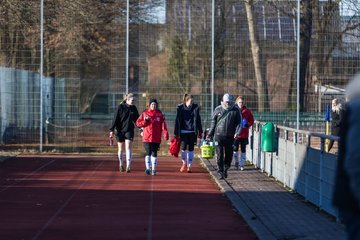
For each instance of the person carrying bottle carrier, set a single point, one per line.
(225, 126)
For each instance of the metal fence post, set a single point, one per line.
(321, 173)
(306, 167)
(285, 157)
(295, 141)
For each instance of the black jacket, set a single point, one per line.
(125, 118)
(336, 120)
(225, 123)
(343, 198)
(180, 123)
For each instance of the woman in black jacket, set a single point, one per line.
(124, 123)
(337, 113)
(187, 127)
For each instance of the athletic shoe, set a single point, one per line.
(183, 167)
(121, 168)
(147, 171)
(225, 174)
(242, 169)
(189, 170)
(221, 175)
(153, 172)
(128, 170)
(237, 166)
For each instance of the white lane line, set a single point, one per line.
(65, 203)
(27, 176)
(151, 209)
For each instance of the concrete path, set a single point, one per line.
(272, 211)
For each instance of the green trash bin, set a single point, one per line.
(268, 138)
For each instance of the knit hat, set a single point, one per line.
(153, 100)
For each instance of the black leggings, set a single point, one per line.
(151, 148)
(188, 139)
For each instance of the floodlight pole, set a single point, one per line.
(298, 68)
(41, 72)
(212, 53)
(127, 49)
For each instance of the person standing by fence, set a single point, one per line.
(225, 125)
(124, 124)
(242, 139)
(153, 123)
(337, 113)
(188, 127)
(346, 195)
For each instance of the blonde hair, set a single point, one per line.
(128, 96)
(238, 98)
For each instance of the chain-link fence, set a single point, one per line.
(65, 65)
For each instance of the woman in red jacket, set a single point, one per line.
(153, 123)
(242, 139)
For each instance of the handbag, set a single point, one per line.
(175, 146)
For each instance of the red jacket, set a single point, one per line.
(246, 114)
(153, 128)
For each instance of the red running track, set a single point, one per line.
(85, 197)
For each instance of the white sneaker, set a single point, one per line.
(241, 168)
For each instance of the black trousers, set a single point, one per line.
(151, 149)
(188, 140)
(334, 131)
(224, 151)
(242, 142)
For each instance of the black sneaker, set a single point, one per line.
(221, 175)
(227, 167)
(237, 166)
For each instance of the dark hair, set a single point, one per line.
(153, 100)
(187, 97)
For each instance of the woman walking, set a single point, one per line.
(242, 139)
(188, 127)
(153, 123)
(123, 123)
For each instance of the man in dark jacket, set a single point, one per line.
(346, 196)
(124, 123)
(225, 125)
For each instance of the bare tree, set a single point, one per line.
(262, 93)
(178, 70)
